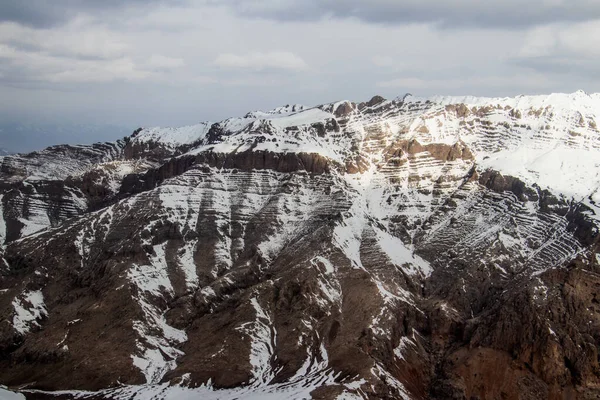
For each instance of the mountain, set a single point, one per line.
(439, 248)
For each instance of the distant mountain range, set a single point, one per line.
(18, 137)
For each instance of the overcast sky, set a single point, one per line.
(143, 63)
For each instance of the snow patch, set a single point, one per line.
(566, 171)
(29, 309)
(173, 137)
(2, 222)
(404, 343)
(6, 394)
(328, 283)
(283, 391)
(188, 266)
(329, 268)
(347, 235)
(156, 347)
(263, 337)
(401, 255)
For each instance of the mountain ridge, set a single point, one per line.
(406, 248)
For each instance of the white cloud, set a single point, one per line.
(79, 38)
(525, 81)
(538, 42)
(445, 13)
(94, 72)
(412, 83)
(383, 61)
(261, 61)
(42, 67)
(570, 40)
(563, 49)
(81, 51)
(161, 62)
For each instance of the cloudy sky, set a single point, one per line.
(130, 63)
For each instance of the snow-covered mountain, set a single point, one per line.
(410, 248)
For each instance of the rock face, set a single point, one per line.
(408, 248)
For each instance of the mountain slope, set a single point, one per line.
(412, 248)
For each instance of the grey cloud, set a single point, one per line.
(444, 13)
(49, 13)
(561, 66)
(262, 61)
(29, 13)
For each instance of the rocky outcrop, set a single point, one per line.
(497, 182)
(244, 161)
(536, 340)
